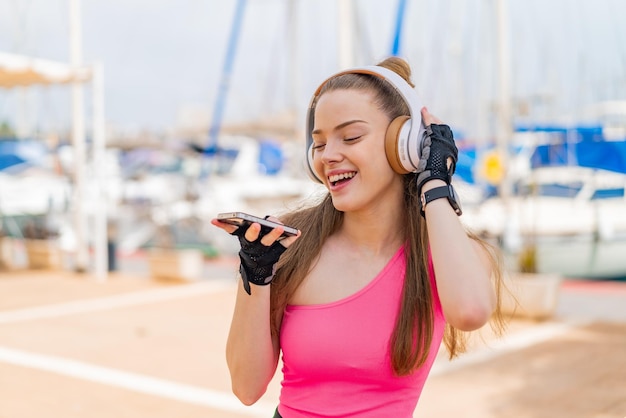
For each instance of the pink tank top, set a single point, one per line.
(336, 358)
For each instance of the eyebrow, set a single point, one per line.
(340, 126)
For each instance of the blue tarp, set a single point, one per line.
(465, 165)
(14, 152)
(270, 157)
(583, 146)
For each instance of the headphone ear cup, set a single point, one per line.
(396, 139)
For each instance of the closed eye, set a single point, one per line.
(322, 145)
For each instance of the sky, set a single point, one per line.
(161, 57)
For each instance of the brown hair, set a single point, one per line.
(412, 335)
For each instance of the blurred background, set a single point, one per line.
(126, 125)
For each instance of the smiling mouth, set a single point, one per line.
(336, 179)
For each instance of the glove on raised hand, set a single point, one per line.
(437, 147)
(257, 260)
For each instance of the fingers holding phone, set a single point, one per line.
(270, 229)
(223, 225)
(286, 238)
(253, 230)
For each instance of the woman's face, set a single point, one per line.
(349, 150)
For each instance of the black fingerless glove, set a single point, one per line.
(257, 260)
(437, 147)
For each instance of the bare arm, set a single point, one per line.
(462, 266)
(251, 352)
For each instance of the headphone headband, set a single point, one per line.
(407, 148)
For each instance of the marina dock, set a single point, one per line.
(132, 346)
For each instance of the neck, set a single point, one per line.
(375, 232)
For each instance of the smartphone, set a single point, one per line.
(244, 220)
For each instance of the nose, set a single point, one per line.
(331, 153)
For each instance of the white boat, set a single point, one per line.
(573, 217)
(241, 186)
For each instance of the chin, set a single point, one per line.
(343, 204)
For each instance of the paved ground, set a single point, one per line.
(135, 347)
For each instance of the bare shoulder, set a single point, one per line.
(338, 273)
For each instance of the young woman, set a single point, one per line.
(381, 272)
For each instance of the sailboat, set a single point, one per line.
(571, 217)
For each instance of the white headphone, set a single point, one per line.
(404, 134)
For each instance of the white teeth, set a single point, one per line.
(337, 177)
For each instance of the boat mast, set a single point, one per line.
(397, 36)
(510, 238)
(100, 216)
(231, 49)
(78, 140)
(346, 34)
(504, 114)
(292, 68)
